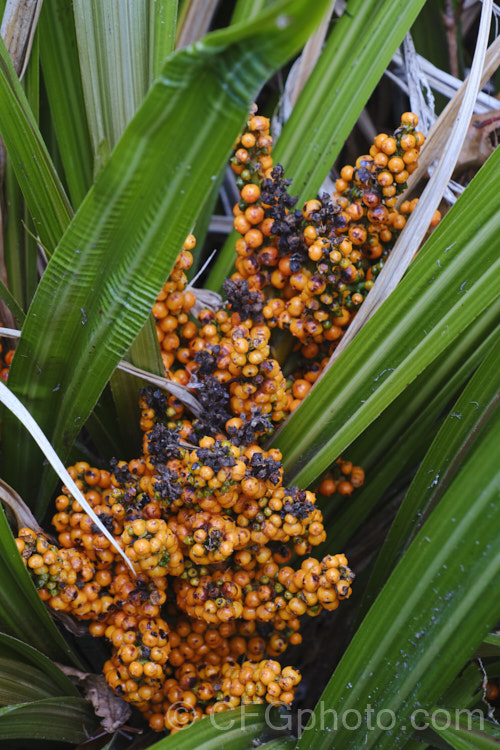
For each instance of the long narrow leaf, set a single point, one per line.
(119, 41)
(113, 46)
(235, 729)
(22, 683)
(352, 62)
(446, 287)
(25, 654)
(470, 733)
(34, 170)
(16, 408)
(447, 452)
(58, 719)
(103, 280)
(163, 23)
(396, 442)
(439, 601)
(411, 237)
(12, 304)
(63, 83)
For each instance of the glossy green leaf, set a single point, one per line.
(22, 613)
(121, 47)
(353, 60)
(55, 680)
(83, 320)
(493, 639)
(42, 189)
(447, 453)
(446, 287)
(235, 729)
(469, 733)
(163, 24)
(466, 689)
(430, 616)
(399, 438)
(21, 683)
(245, 11)
(63, 84)
(145, 354)
(57, 719)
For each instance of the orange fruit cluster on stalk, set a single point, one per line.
(312, 267)
(203, 514)
(210, 530)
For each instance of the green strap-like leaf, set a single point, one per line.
(58, 719)
(432, 613)
(467, 689)
(30, 159)
(63, 83)
(398, 440)
(163, 24)
(493, 639)
(27, 655)
(235, 729)
(448, 451)
(104, 277)
(120, 46)
(447, 286)
(22, 683)
(468, 732)
(355, 57)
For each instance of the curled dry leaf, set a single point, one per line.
(113, 711)
(23, 515)
(176, 389)
(205, 298)
(482, 139)
(69, 623)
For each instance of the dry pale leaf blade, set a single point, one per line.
(18, 28)
(176, 389)
(195, 22)
(437, 139)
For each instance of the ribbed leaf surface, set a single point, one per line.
(449, 450)
(236, 729)
(58, 719)
(431, 615)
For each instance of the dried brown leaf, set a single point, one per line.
(109, 707)
(481, 140)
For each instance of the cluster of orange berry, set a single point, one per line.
(202, 514)
(210, 529)
(324, 258)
